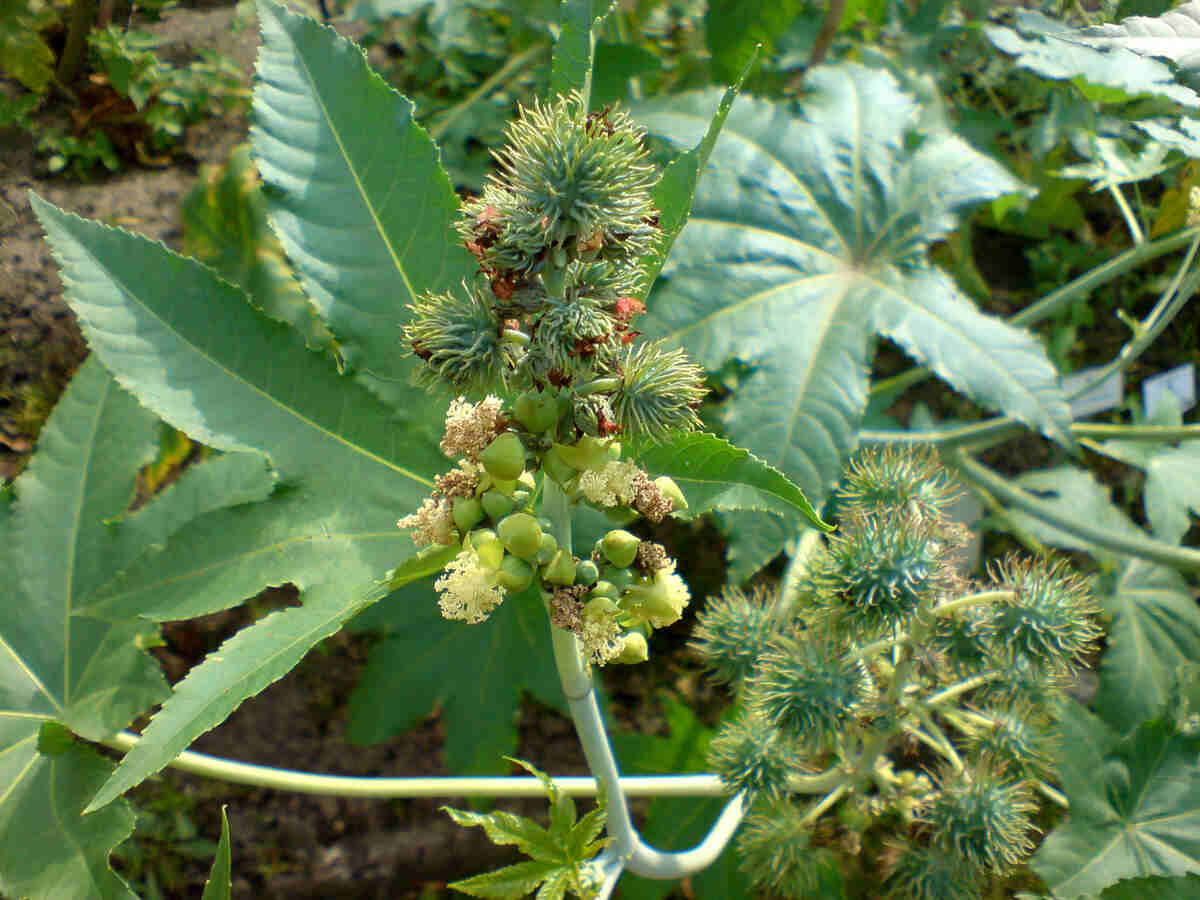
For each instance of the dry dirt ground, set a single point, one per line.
(284, 845)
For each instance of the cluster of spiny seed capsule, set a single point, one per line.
(561, 233)
(926, 699)
(485, 505)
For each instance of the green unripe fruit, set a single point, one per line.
(599, 606)
(634, 649)
(556, 467)
(536, 410)
(504, 457)
(514, 574)
(496, 505)
(467, 512)
(620, 515)
(588, 453)
(520, 534)
(671, 491)
(618, 578)
(606, 590)
(487, 547)
(561, 570)
(586, 572)
(620, 547)
(547, 549)
(614, 450)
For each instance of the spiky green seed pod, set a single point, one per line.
(560, 570)
(536, 410)
(620, 547)
(1013, 741)
(520, 535)
(573, 184)
(807, 688)
(467, 512)
(910, 480)
(877, 569)
(775, 843)
(457, 336)
(751, 755)
(504, 458)
(1051, 619)
(514, 574)
(634, 649)
(658, 393)
(930, 873)
(497, 505)
(733, 630)
(984, 821)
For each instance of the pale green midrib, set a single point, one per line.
(858, 167)
(984, 349)
(20, 776)
(96, 609)
(72, 544)
(834, 310)
(30, 675)
(350, 167)
(234, 376)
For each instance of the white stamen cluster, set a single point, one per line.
(433, 523)
(468, 590)
(470, 427)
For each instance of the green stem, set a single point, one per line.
(1137, 432)
(1131, 222)
(946, 694)
(1128, 544)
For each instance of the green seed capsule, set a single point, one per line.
(514, 574)
(520, 534)
(634, 649)
(496, 505)
(536, 410)
(587, 453)
(547, 549)
(504, 457)
(671, 491)
(620, 547)
(561, 570)
(467, 512)
(586, 572)
(619, 578)
(605, 589)
(488, 547)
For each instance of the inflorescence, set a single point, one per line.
(885, 654)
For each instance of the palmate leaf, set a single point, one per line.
(373, 230)
(1114, 73)
(192, 349)
(1172, 489)
(409, 672)
(1175, 35)
(1135, 809)
(1156, 628)
(808, 235)
(64, 537)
